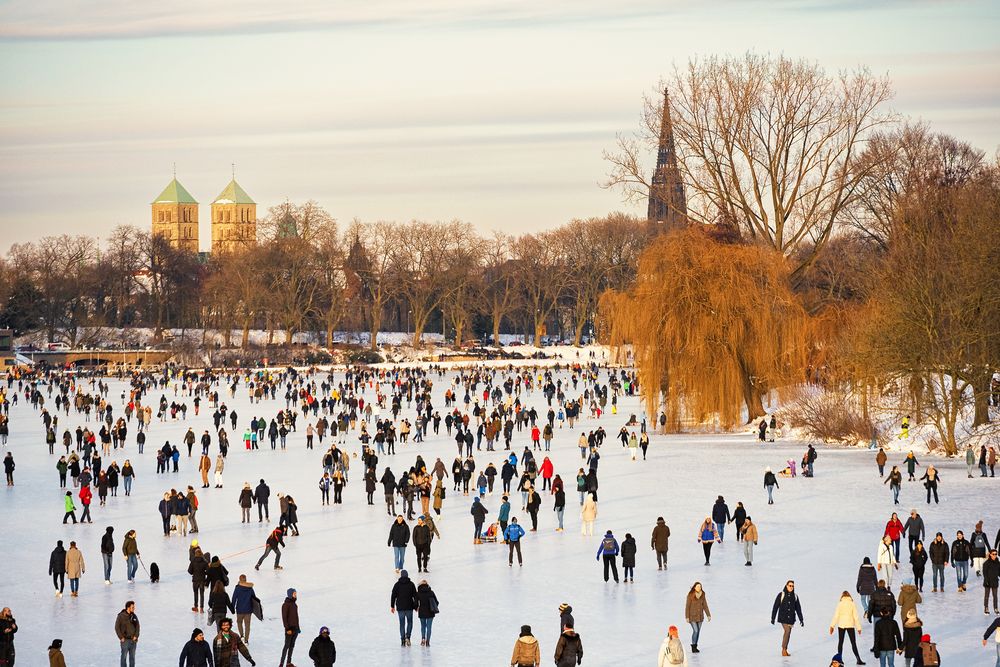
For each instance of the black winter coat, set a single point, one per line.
(57, 561)
(867, 580)
(919, 561)
(720, 513)
(882, 599)
(569, 650)
(323, 651)
(628, 550)
(399, 534)
(421, 535)
(216, 572)
(911, 640)
(991, 573)
(886, 635)
(404, 595)
(939, 552)
(196, 654)
(479, 512)
(786, 608)
(961, 550)
(219, 603)
(198, 569)
(426, 601)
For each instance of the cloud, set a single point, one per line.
(121, 19)
(118, 19)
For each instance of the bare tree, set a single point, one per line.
(463, 295)
(601, 253)
(770, 144)
(896, 162)
(541, 273)
(500, 285)
(331, 280)
(421, 266)
(61, 268)
(378, 243)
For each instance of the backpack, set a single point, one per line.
(608, 545)
(930, 654)
(674, 652)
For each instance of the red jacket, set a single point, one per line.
(894, 529)
(546, 468)
(85, 495)
(535, 433)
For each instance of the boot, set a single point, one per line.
(785, 653)
(694, 648)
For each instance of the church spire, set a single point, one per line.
(667, 204)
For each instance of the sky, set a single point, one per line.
(495, 113)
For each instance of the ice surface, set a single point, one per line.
(817, 533)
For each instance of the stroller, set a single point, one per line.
(491, 534)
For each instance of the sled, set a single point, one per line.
(491, 534)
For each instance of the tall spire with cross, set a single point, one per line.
(667, 207)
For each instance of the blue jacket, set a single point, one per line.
(243, 599)
(504, 512)
(513, 533)
(608, 546)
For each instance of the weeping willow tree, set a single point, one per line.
(712, 325)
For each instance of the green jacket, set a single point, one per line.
(70, 507)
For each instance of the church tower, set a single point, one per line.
(234, 219)
(667, 203)
(175, 217)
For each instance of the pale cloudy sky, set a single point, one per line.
(491, 112)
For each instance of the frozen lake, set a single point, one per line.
(816, 533)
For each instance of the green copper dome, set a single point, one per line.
(175, 193)
(233, 194)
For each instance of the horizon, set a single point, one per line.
(368, 111)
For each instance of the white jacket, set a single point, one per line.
(846, 615)
(886, 556)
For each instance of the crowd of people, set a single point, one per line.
(512, 418)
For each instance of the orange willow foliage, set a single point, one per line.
(712, 325)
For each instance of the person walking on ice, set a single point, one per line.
(785, 609)
(609, 550)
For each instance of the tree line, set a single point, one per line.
(309, 273)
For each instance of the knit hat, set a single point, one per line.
(404, 573)
(291, 592)
(525, 630)
(196, 632)
(564, 607)
(56, 643)
(837, 658)
(324, 629)
(926, 638)
(672, 631)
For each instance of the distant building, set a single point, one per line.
(234, 219)
(667, 204)
(175, 217)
